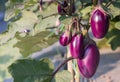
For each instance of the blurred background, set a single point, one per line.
(22, 29)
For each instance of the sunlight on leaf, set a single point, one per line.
(8, 54)
(30, 44)
(114, 10)
(63, 76)
(25, 70)
(117, 25)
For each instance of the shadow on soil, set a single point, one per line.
(107, 63)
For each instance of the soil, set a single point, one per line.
(109, 66)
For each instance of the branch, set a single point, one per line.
(58, 68)
(109, 3)
(50, 15)
(70, 66)
(99, 2)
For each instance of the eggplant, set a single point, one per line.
(59, 9)
(76, 46)
(89, 63)
(65, 38)
(99, 23)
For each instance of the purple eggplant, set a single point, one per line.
(76, 46)
(59, 9)
(89, 63)
(99, 23)
(65, 38)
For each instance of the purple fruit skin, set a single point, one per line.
(89, 63)
(59, 9)
(99, 23)
(64, 39)
(76, 46)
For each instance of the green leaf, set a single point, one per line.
(49, 16)
(63, 76)
(115, 11)
(26, 22)
(103, 43)
(51, 9)
(8, 54)
(113, 37)
(67, 19)
(16, 1)
(45, 23)
(95, 2)
(86, 12)
(27, 70)
(78, 5)
(116, 3)
(30, 44)
(14, 7)
(2, 75)
(12, 10)
(86, 1)
(117, 25)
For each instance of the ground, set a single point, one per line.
(109, 66)
(108, 69)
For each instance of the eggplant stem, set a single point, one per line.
(58, 68)
(99, 3)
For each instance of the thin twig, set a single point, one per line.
(83, 25)
(70, 66)
(81, 3)
(50, 15)
(99, 2)
(58, 2)
(58, 68)
(109, 3)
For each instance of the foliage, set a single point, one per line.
(24, 15)
(62, 76)
(30, 44)
(25, 70)
(31, 70)
(7, 56)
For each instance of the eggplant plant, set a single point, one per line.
(76, 18)
(89, 63)
(99, 22)
(76, 46)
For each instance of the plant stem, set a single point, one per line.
(70, 66)
(108, 4)
(71, 7)
(77, 74)
(82, 24)
(50, 15)
(41, 3)
(81, 3)
(58, 2)
(58, 68)
(99, 2)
